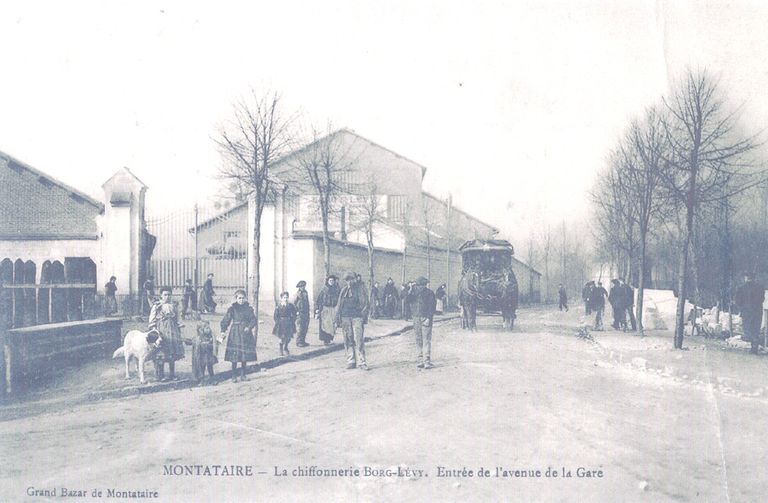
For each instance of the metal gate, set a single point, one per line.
(194, 243)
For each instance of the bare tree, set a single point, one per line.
(251, 142)
(325, 166)
(707, 160)
(371, 207)
(643, 152)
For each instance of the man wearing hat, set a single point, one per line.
(302, 319)
(422, 303)
(351, 310)
(749, 298)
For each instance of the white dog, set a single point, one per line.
(141, 346)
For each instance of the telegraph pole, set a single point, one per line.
(448, 250)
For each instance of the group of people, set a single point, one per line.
(189, 300)
(391, 302)
(346, 307)
(622, 300)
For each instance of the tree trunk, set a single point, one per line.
(256, 280)
(641, 287)
(369, 239)
(326, 244)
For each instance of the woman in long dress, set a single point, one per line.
(326, 309)
(241, 342)
(164, 317)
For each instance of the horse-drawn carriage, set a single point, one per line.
(487, 281)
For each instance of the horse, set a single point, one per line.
(468, 296)
(509, 301)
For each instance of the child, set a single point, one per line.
(203, 353)
(241, 343)
(285, 323)
(164, 318)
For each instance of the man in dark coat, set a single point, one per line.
(629, 302)
(597, 303)
(749, 298)
(302, 307)
(110, 289)
(207, 304)
(616, 298)
(352, 310)
(390, 298)
(422, 301)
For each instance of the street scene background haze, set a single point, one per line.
(512, 106)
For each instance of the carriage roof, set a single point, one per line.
(487, 245)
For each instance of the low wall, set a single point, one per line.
(30, 353)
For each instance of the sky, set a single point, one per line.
(511, 106)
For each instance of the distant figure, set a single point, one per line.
(586, 292)
(440, 298)
(749, 298)
(325, 309)
(422, 301)
(562, 298)
(207, 304)
(406, 307)
(110, 300)
(597, 303)
(285, 322)
(149, 295)
(390, 299)
(302, 311)
(189, 298)
(616, 298)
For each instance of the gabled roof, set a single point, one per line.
(18, 165)
(353, 133)
(36, 206)
(130, 174)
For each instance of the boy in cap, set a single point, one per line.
(422, 302)
(352, 310)
(302, 307)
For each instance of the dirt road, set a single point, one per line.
(523, 406)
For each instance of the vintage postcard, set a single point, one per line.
(383, 251)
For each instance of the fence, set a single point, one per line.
(193, 243)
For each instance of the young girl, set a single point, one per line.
(164, 318)
(285, 322)
(241, 343)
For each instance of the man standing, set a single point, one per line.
(110, 289)
(422, 301)
(302, 320)
(352, 309)
(616, 298)
(563, 297)
(629, 302)
(207, 304)
(749, 298)
(597, 303)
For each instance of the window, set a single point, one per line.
(397, 208)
